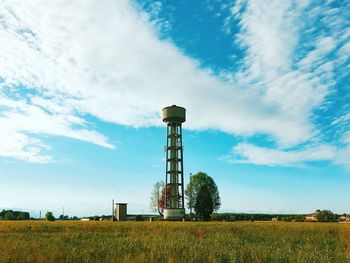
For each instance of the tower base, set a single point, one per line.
(174, 214)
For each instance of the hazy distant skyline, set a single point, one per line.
(265, 85)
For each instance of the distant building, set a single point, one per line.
(274, 219)
(121, 211)
(311, 218)
(345, 218)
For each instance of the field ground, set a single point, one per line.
(345, 238)
(75, 241)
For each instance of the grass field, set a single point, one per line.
(75, 241)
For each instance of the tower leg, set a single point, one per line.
(174, 194)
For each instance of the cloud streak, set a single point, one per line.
(248, 153)
(22, 120)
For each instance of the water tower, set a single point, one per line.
(174, 205)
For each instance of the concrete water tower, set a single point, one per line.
(174, 206)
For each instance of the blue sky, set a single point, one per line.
(265, 85)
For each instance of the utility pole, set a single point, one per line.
(63, 213)
(191, 197)
(112, 210)
(40, 214)
(158, 200)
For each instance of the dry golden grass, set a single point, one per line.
(76, 241)
(345, 237)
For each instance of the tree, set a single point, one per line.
(63, 217)
(202, 194)
(325, 216)
(49, 216)
(203, 204)
(14, 215)
(23, 216)
(157, 195)
(138, 218)
(9, 215)
(189, 192)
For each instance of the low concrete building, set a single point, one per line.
(121, 211)
(311, 218)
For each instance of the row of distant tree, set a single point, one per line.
(14, 215)
(326, 216)
(20, 215)
(50, 217)
(320, 215)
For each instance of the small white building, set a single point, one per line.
(345, 218)
(311, 218)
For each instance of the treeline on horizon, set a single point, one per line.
(323, 216)
(14, 215)
(258, 217)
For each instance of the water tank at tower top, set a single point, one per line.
(174, 114)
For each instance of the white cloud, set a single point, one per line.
(21, 122)
(324, 45)
(343, 154)
(252, 154)
(248, 153)
(105, 59)
(288, 60)
(19, 146)
(292, 62)
(341, 119)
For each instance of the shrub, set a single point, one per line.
(49, 216)
(138, 218)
